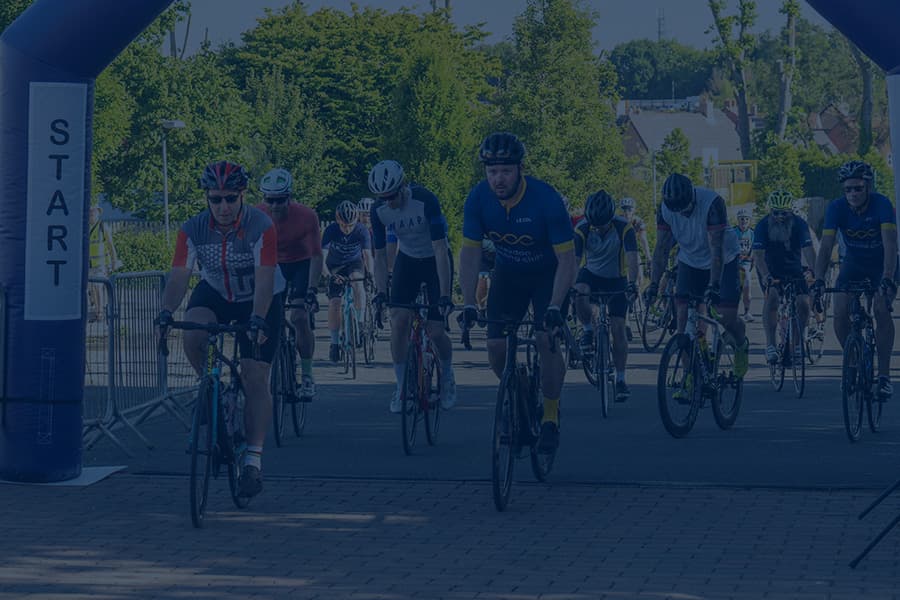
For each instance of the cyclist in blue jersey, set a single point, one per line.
(867, 223)
(347, 256)
(534, 262)
(412, 215)
(745, 235)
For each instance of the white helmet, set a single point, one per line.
(346, 213)
(743, 213)
(386, 178)
(276, 182)
(626, 203)
(365, 205)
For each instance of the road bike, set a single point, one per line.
(423, 377)
(217, 439)
(369, 333)
(659, 317)
(283, 381)
(598, 365)
(350, 336)
(788, 335)
(695, 368)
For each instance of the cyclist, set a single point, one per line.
(235, 246)
(609, 246)
(412, 214)
(867, 223)
(745, 235)
(780, 240)
(535, 262)
(300, 261)
(348, 255)
(696, 219)
(629, 208)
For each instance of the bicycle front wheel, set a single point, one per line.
(280, 392)
(369, 336)
(237, 458)
(776, 369)
(853, 386)
(729, 389)
(353, 336)
(637, 315)
(202, 452)
(604, 360)
(873, 404)
(798, 360)
(410, 411)
(656, 323)
(678, 386)
(431, 404)
(815, 339)
(504, 442)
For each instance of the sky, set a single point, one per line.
(619, 20)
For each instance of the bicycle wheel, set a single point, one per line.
(410, 410)
(299, 417)
(637, 315)
(236, 459)
(505, 437)
(678, 387)
(280, 392)
(729, 389)
(432, 401)
(853, 386)
(202, 452)
(601, 343)
(369, 335)
(656, 323)
(353, 336)
(873, 405)
(815, 340)
(798, 360)
(776, 369)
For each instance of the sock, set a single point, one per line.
(399, 373)
(335, 336)
(306, 366)
(620, 376)
(551, 411)
(253, 457)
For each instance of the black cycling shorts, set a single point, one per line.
(617, 305)
(354, 269)
(512, 290)
(693, 282)
(297, 276)
(408, 275)
(226, 312)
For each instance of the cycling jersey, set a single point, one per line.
(691, 232)
(638, 225)
(604, 253)
(861, 233)
(345, 248)
(228, 259)
(527, 230)
(298, 233)
(745, 245)
(416, 224)
(783, 258)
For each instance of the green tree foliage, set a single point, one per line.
(674, 156)
(651, 70)
(551, 97)
(10, 10)
(779, 169)
(143, 250)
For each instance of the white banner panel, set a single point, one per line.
(54, 255)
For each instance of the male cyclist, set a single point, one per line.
(867, 224)
(745, 235)
(609, 247)
(235, 247)
(696, 219)
(348, 256)
(780, 240)
(300, 260)
(629, 212)
(412, 214)
(535, 262)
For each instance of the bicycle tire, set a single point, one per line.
(601, 351)
(236, 458)
(657, 319)
(278, 391)
(299, 417)
(369, 335)
(815, 340)
(202, 453)
(776, 369)
(504, 442)
(726, 404)
(852, 386)
(680, 353)
(409, 404)
(354, 338)
(798, 365)
(874, 406)
(637, 315)
(432, 400)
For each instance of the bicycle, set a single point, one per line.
(692, 371)
(659, 317)
(858, 363)
(791, 351)
(815, 326)
(636, 312)
(598, 366)
(217, 435)
(518, 413)
(283, 382)
(423, 378)
(369, 331)
(350, 334)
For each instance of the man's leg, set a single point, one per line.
(585, 315)
(841, 316)
(401, 319)
(444, 347)
(195, 341)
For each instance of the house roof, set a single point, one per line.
(708, 136)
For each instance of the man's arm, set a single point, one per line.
(381, 270)
(368, 267)
(889, 240)
(633, 263)
(823, 259)
(176, 287)
(469, 261)
(316, 265)
(809, 255)
(664, 243)
(442, 259)
(645, 245)
(759, 257)
(264, 286)
(716, 249)
(323, 267)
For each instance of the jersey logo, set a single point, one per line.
(512, 239)
(861, 234)
(523, 220)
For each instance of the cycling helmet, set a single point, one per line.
(781, 200)
(501, 148)
(743, 213)
(365, 205)
(855, 169)
(627, 203)
(277, 182)
(599, 209)
(224, 175)
(386, 178)
(346, 213)
(677, 192)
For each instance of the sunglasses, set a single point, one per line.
(781, 213)
(390, 198)
(854, 188)
(230, 199)
(276, 199)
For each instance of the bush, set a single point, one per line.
(144, 250)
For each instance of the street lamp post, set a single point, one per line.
(166, 125)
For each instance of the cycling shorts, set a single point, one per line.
(226, 312)
(512, 290)
(408, 275)
(855, 271)
(617, 305)
(693, 282)
(297, 276)
(352, 270)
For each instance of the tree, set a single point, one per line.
(734, 51)
(787, 65)
(674, 156)
(649, 69)
(10, 10)
(866, 103)
(779, 169)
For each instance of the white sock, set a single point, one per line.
(399, 373)
(253, 457)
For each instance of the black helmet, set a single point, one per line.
(855, 169)
(677, 192)
(501, 149)
(224, 175)
(599, 209)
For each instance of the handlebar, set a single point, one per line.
(211, 328)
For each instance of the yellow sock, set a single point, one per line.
(551, 411)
